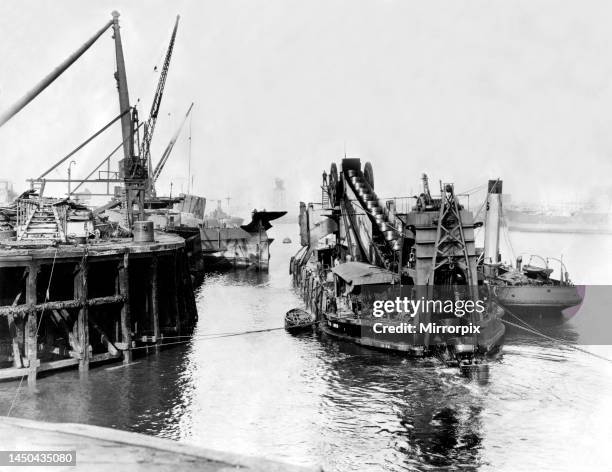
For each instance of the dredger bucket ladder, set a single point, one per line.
(450, 238)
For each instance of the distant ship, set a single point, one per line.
(225, 243)
(231, 245)
(538, 220)
(219, 219)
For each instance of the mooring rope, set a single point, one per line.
(204, 337)
(563, 343)
(528, 328)
(37, 328)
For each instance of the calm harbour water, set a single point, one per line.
(313, 400)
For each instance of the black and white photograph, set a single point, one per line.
(317, 236)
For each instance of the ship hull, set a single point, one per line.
(487, 342)
(247, 246)
(548, 299)
(226, 261)
(235, 248)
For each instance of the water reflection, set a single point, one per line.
(412, 414)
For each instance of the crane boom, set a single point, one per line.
(145, 150)
(54, 74)
(162, 162)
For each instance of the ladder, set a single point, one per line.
(42, 224)
(325, 197)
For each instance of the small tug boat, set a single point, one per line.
(530, 289)
(527, 289)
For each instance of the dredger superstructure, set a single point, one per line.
(358, 248)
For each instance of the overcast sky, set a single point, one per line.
(465, 91)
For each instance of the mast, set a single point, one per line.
(122, 88)
(492, 222)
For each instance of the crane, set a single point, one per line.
(145, 149)
(162, 162)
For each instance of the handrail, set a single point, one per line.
(564, 275)
(60, 212)
(25, 211)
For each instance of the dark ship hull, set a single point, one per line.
(487, 342)
(247, 246)
(545, 300)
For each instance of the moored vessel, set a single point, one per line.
(398, 281)
(530, 288)
(239, 246)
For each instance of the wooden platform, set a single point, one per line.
(23, 251)
(130, 294)
(104, 449)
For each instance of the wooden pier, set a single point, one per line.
(78, 304)
(105, 449)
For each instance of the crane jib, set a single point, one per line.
(145, 149)
(162, 162)
(50, 78)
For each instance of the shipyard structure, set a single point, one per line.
(79, 285)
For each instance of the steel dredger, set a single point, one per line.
(360, 252)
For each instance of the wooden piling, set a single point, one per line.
(123, 286)
(188, 294)
(32, 324)
(14, 332)
(80, 293)
(82, 272)
(154, 302)
(175, 293)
